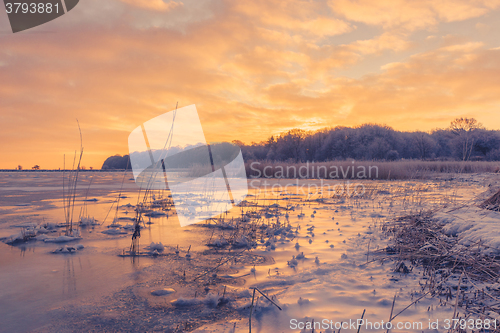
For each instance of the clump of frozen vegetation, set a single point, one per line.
(159, 247)
(115, 231)
(64, 239)
(457, 248)
(86, 221)
(69, 249)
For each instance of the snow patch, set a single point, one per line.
(472, 224)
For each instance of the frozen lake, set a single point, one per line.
(99, 289)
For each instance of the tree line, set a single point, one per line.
(465, 139)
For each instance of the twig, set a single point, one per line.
(362, 315)
(255, 288)
(458, 295)
(250, 317)
(368, 253)
(392, 309)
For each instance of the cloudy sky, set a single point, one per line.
(253, 69)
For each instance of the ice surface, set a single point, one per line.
(97, 288)
(163, 292)
(61, 239)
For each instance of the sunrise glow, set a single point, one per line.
(252, 68)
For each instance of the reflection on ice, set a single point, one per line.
(313, 254)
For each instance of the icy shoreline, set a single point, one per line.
(325, 276)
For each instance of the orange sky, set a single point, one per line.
(253, 68)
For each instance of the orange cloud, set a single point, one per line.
(386, 41)
(411, 15)
(158, 5)
(252, 68)
(294, 16)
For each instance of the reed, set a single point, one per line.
(418, 240)
(403, 169)
(70, 197)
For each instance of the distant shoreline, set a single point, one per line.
(66, 170)
(390, 170)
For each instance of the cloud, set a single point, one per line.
(157, 5)
(439, 84)
(306, 18)
(386, 41)
(252, 68)
(410, 15)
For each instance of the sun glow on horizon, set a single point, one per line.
(253, 69)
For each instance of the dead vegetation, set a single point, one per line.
(391, 170)
(492, 203)
(462, 277)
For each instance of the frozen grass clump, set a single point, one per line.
(87, 221)
(114, 231)
(69, 249)
(303, 301)
(242, 242)
(22, 237)
(212, 300)
(219, 242)
(182, 302)
(156, 246)
(62, 239)
(492, 203)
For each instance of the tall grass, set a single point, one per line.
(365, 169)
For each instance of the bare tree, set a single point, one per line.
(463, 128)
(289, 145)
(19, 167)
(36, 167)
(424, 144)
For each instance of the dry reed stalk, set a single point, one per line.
(252, 306)
(362, 316)
(250, 317)
(492, 203)
(413, 169)
(458, 295)
(392, 309)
